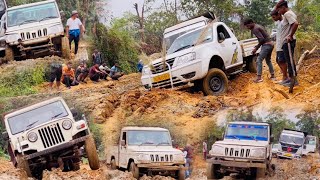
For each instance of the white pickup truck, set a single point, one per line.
(206, 56)
(292, 144)
(147, 150)
(245, 149)
(33, 30)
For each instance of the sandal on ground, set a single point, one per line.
(258, 80)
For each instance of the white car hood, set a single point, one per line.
(32, 26)
(242, 142)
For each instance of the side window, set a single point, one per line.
(222, 29)
(124, 137)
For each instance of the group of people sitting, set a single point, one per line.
(72, 77)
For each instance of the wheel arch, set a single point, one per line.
(129, 162)
(216, 62)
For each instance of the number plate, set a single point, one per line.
(161, 77)
(288, 155)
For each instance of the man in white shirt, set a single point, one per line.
(281, 61)
(74, 27)
(289, 27)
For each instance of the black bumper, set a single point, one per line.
(57, 148)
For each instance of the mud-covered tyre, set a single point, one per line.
(92, 154)
(9, 54)
(181, 173)
(76, 166)
(134, 169)
(252, 64)
(65, 48)
(113, 164)
(261, 173)
(212, 172)
(23, 164)
(215, 83)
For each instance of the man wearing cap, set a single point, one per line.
(289, 27)
(74, 27)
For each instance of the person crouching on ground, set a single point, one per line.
(82, 72)
(95, 74)
(115, 73)
(104, 68)
(68, 77)
(266, 48)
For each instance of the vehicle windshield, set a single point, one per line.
(190, 39)
(311, 140)
(152, 138)
(291, 139)
(275, 146)
(34, 117)
(31, 14)
(247, 132)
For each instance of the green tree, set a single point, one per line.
(309, 120)
(279, 121)
(242, 115)
(259, 11)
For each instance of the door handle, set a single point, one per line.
(233, 43)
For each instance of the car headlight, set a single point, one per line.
(217, 150)
(184, 59)
(144, 158)
(55, 29)
(178, 157)
(32, 137)
(12, 38)
(66, 124)
(258, 153)
(146, 71)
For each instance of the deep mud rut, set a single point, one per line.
(189, 116)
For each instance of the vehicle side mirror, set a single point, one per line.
(5, 136)
(272, 139)
(5, 26)
(123, 143)
(74, 112)
(221, 37)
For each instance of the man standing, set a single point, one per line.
(280, 55)
(74, 27)
(289, 27)
(204, 150)
(96, 57)
(266, 48)
(189, 162)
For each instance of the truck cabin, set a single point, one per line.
(248, 131)
(292, 137)
(132, 136)
(172, 33)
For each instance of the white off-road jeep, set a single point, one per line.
(46, 135)
(33, 30)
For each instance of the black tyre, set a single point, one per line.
(181, 173)
(92, 154)
(215, 83)
(261, 173)
(23, 164)
(252, 64)
(113, 164)
(212, 171)
(65, 48)
(9, 54)
(134, 169)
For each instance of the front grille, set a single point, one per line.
(161, 158)
(51, 135)
(232, 152)
(34, 35)
(162, 67)
(292, 150)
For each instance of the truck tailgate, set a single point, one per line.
(248, 45)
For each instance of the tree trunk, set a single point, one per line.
(85, 5)
(141, 20)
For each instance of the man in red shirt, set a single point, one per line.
(95, 74)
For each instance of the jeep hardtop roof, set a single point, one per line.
(136, 128)
(249, 123)
(294, 132)
(31, 4)
(30, 107)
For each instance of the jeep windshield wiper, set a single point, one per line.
(145, 143)
(163, 143)
(31, 124)
(184, 47)
(26, 21)
(55, 116)
(49, 17)
(252, 137)
(234, 137)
